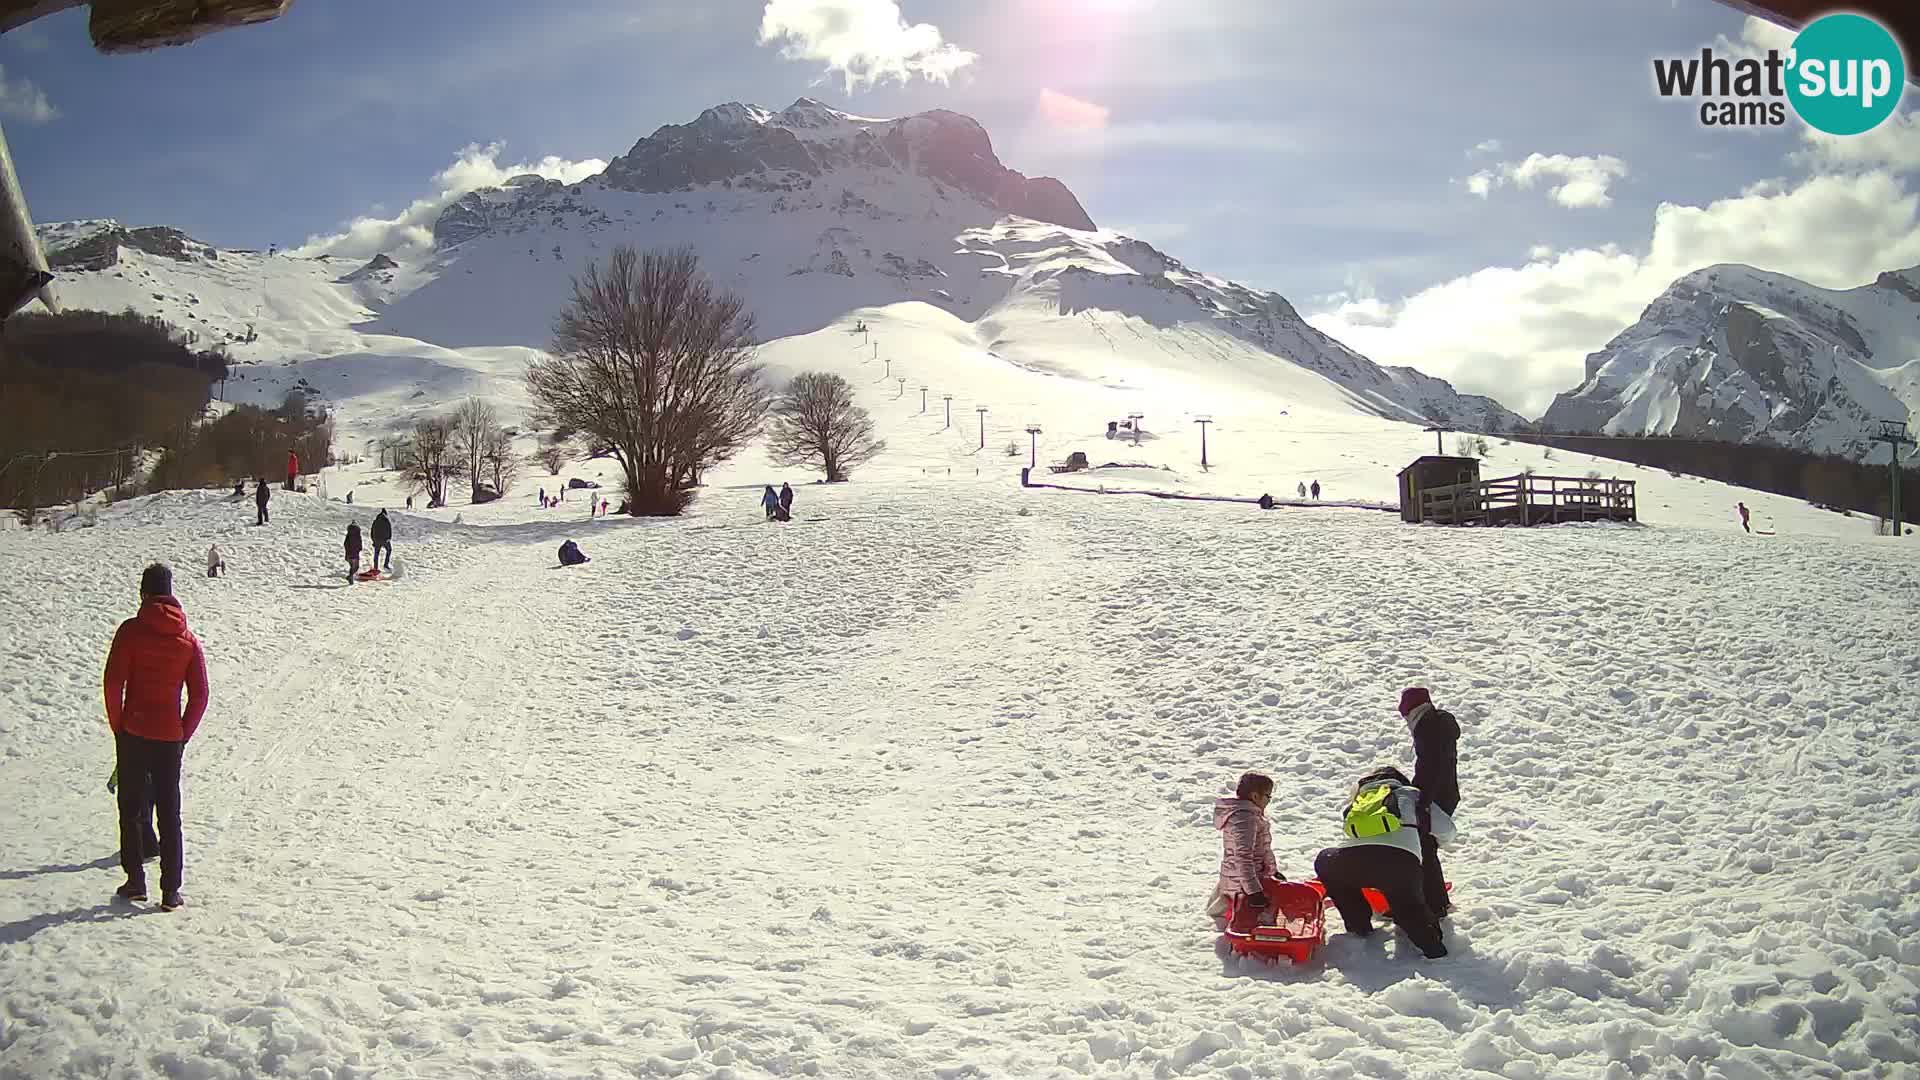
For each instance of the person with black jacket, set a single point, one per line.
(382, 538)
(353, 550)
(786, 503)
(261, 493)
(1436, 772)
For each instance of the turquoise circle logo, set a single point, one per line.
(1847, 74)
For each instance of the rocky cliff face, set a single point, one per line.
(748, 146)
(99, 249)
(1734, 353)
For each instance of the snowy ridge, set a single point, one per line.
(1730, 352)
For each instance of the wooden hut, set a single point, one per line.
(1431, 473)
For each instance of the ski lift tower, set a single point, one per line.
(1033, 441)
(1894, 434)
(948, 398)
(982, 410)
(1203, 421)
(923, 398)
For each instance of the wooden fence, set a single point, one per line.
(1530, 500)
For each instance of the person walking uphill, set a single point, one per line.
(382, 538)
(770, 502)
(153, 656)
(1246, 858)
(261, 493)
(1436, 772)
(353, 551)
(786, 503)
(1381, 850)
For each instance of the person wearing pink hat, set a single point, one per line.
(1436, 773)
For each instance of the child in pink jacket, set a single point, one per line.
(1246, 861)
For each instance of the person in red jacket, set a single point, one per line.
(154, 655)
(293, 467)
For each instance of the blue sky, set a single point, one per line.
(1324, 150)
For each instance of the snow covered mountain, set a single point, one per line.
(975, 280)
(1730, 352)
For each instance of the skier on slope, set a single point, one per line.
(261, 493)
(1436, 772)
(770, 502)
(1381, 850)
(153, 657)
(382, 538)
(353, 551)
(1246, 858)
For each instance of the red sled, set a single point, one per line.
(1292, 925)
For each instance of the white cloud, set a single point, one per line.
(411, 231)
(22, 100)
(1895, 144)
(1485, 146)
(867, 42)
(1521, 333)
(1579, 183)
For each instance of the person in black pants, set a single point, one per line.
(382, 538)
(1436, 772)
(261, 493)
(1381, 850)
(154, 656)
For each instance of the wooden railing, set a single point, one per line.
(1530, 500)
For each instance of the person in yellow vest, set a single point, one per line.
(1381, 849)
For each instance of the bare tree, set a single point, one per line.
(501, 462)
(429, 454)
(817, 425)
(552, 455)
(476, 427)
(653, 361)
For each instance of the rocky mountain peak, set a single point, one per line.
(749, 146)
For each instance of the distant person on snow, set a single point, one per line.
(1303, 490)
(293, 468)
(1246, 858)
(770, 502)
(353, 550)
(153, 657)
(261, 493)
(349, 498)
(1743, 517)
(1436, 772)
(382, 539)
(1266, 502)
(786, 502)
(571, 555)
(603, 508)
(1315, 489)
(543, 498)
(409, 502)
(216, 562)
(1381, 850)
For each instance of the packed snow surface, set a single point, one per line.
(919, 785)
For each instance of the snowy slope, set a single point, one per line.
(815, 216)
(1730, 352)
(919, 786)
